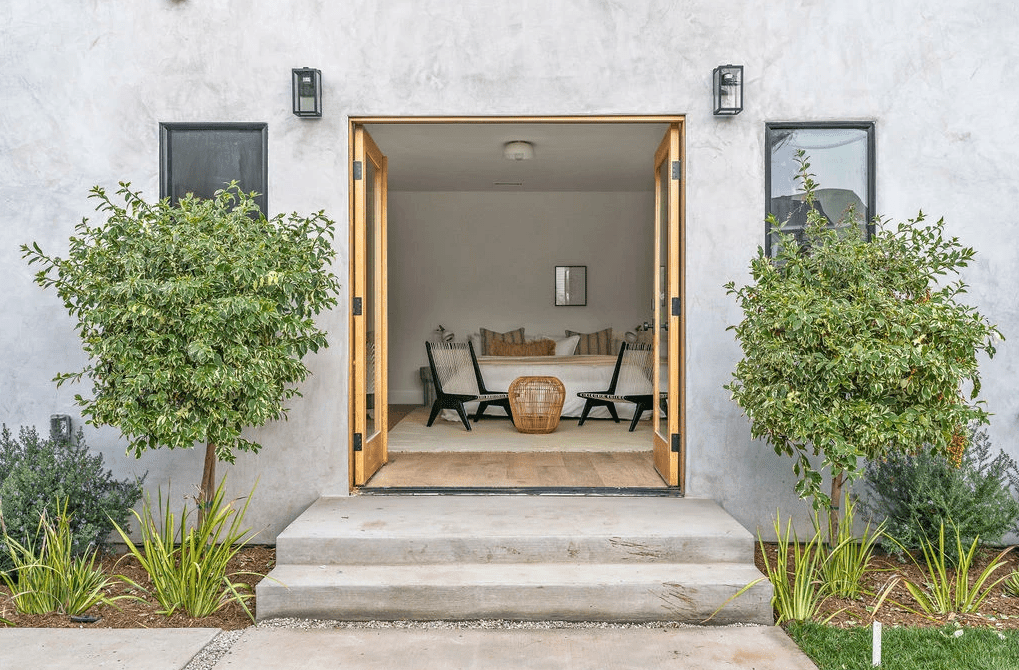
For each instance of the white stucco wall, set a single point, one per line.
(86, 84)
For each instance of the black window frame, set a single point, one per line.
(259, 141)
(868, 126)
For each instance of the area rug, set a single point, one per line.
(499, 435)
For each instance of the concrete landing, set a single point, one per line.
(690, 648)
(101, 648)
(514, 557)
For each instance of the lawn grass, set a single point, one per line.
(908, 648)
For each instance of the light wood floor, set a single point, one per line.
(503, 470)
(627, 469)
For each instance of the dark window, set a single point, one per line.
(202, 158)
(841, 157)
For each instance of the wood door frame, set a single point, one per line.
(678, 119)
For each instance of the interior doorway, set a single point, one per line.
(566, 180)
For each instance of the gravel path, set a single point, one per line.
(215, 650)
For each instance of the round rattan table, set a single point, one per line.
(536, 403)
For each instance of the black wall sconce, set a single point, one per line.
(727, 89)
(307, 92)
(60, 427)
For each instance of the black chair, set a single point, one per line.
(457, 379)
(635, 365)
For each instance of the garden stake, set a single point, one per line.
(875, 656)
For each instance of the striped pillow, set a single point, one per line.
(488, 336)
(594, 344)
(531, 348)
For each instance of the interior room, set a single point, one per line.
(480, 216)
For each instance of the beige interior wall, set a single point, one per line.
(469, 260)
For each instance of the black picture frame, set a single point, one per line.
(570, 286)
(202, 158)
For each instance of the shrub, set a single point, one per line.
(919, 494)
(39, 472)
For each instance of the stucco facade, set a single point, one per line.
(85, 86)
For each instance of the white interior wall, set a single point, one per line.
(469, 260)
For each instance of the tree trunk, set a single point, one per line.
(838, 478)
(208, 487)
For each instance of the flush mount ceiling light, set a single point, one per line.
(518, 151)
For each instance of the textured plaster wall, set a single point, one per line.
(85, 85)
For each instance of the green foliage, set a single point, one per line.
(799, 591)
(945, 591)
(1011, 585)
(952, 647)
(54, 579)
(188, 565)
(37, 473)
(849, 559)
(916, 494)
(855, 349)
(194, 316)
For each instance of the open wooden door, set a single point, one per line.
(669, 442)
(369, 398)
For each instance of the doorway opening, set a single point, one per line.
(446, 231)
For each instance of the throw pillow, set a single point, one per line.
(567, 345)
(594, 344)
(532, 348)
(489, 336)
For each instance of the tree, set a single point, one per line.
(853, 349)
(195, 317)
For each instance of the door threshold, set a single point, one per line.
(637, 492)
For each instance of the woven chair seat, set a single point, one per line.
(484, 397)
(604, 396)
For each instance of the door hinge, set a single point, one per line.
(677, 308)
(357, 307)
(357, 170)
(675, 170)
(357, 442)
(675, 443)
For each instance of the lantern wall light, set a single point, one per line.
(307, 83)
(727, 90)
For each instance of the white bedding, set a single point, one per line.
(577, 373)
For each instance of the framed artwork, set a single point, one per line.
(571, 286)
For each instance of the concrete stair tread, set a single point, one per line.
(521, 574)
(578, 592)
(508, 529)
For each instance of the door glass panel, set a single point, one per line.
(370, 308)
(662, 275)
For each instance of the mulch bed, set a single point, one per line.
(131, 613)
(998, 611)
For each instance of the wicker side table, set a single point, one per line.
(536, 403)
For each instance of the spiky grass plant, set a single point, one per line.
(54, 579)
(188, 565)
(943, 592)
(849, 558)
(799, 592)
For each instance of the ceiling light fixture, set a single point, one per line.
(518, 150)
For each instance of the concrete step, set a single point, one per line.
(521, 591)
(592, 558)
(411, 530)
